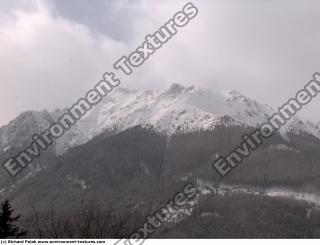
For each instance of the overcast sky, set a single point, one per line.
(52, 51)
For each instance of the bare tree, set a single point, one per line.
(36, 222)
(85, 219)
(102, 221)
(51, 222)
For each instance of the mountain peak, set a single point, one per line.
(233, 94)
(176, 88)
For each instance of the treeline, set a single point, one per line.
(90, 221)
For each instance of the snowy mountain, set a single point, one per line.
(19, 131)
(178, 109)
(124, 165)
(175, 110)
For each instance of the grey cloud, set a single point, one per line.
(267, 50)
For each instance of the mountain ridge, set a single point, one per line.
(178, 109)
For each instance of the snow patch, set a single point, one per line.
(282, 147)
(78, 181)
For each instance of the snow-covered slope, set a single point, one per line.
(19, 131)
(177, 109)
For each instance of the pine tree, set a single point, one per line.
(8, 228)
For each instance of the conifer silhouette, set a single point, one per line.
(8, 227)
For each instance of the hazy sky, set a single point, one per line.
(52, 51)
